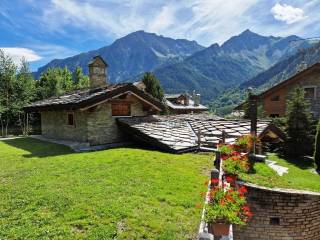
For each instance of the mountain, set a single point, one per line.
(183, 65)
(284, 69)
(132, 55)
(216, 68)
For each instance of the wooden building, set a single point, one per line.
(274, 100)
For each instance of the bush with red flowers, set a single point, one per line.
(225, 150)
(244, 143)
(236, 164)
(227, 206)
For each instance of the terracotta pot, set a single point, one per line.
(219, 229)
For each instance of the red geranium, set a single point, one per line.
(230, 179)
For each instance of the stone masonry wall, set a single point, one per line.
(96, 125)
(312, 80)
(54, 125)
(102, 126)
(281, 215)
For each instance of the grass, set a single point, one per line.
(49, 192)
(299, 175)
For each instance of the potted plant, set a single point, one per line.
(225, 208)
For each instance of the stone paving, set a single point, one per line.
(279, 169)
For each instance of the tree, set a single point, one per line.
(299, 125)
(7, 82)
(54, 82)
(317, 148)
(80, 80)
(57, 81)
(152, 85)
(25, 93)
(66, 83)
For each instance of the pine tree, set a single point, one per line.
(299, 125)
(317, 148)
(153, 85)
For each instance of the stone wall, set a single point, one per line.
(54, 125)
(312, 80)
(95, 125)
(281, 215)
(102, 126)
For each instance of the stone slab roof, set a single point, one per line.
(83, 98)
(179, 133)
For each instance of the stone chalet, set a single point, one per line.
(108, 115)
(184, 103)
(273, 101)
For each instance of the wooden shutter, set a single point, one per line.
(120, 109)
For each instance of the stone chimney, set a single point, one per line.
(98, 72)
(196, 98)
(186, 102)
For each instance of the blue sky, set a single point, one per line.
(42, 30)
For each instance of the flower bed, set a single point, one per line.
(226, 202)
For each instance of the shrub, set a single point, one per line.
(235, 165)
(244, 143)
(225, 150)
(229, 207)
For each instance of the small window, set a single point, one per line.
(275, 98)
(120, 109)
(70, 119)
(274, 115)
(274, 221)
(310, 92)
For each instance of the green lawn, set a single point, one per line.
(49, 192)
(298, 176)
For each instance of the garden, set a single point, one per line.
(225, 201)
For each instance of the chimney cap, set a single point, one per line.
(98, 58)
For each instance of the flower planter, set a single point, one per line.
(230, 176)
(219, 229)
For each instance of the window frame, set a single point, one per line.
(314, 92)
(73, 119)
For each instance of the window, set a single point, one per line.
(120, 109)
(310, 92)
(275, 98)
(274, 115)
(70, 120)
(274, 221)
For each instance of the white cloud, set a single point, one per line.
(17, 53)
(206, 21)
(287, 13)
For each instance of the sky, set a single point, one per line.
(43, 30)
